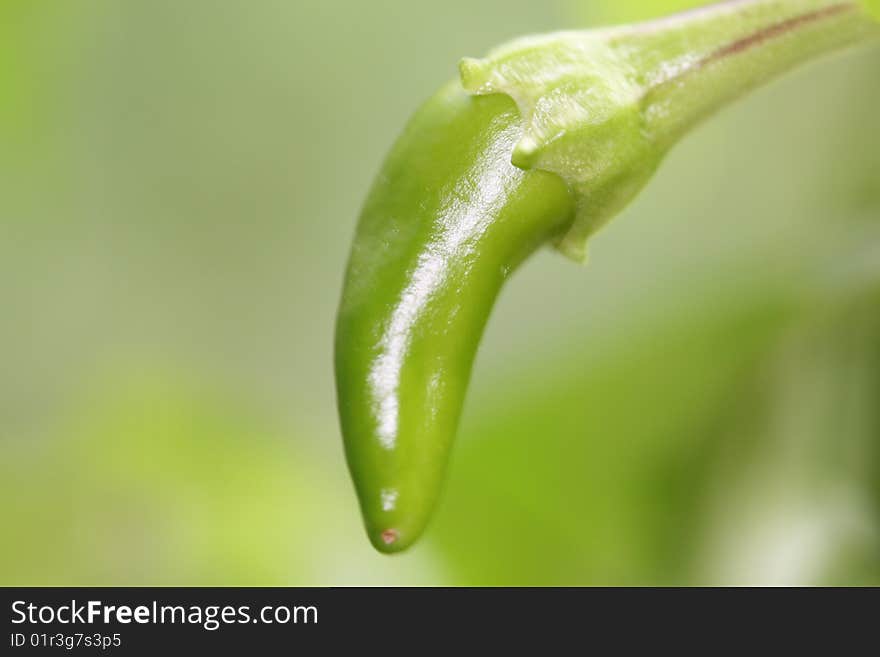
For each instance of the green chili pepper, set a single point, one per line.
(446, 223)
(542, 142)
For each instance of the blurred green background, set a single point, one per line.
(179, 183)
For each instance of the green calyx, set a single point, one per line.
(600, 108)
(579, 103)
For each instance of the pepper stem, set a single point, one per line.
(699, 61)
(601, 108)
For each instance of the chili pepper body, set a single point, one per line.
(446, 223)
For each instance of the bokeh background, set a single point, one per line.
(179, 184)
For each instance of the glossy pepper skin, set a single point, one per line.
(450, 218)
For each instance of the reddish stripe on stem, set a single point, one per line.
(775, 31)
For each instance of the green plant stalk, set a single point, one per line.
(541, 142)
(601, 108)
